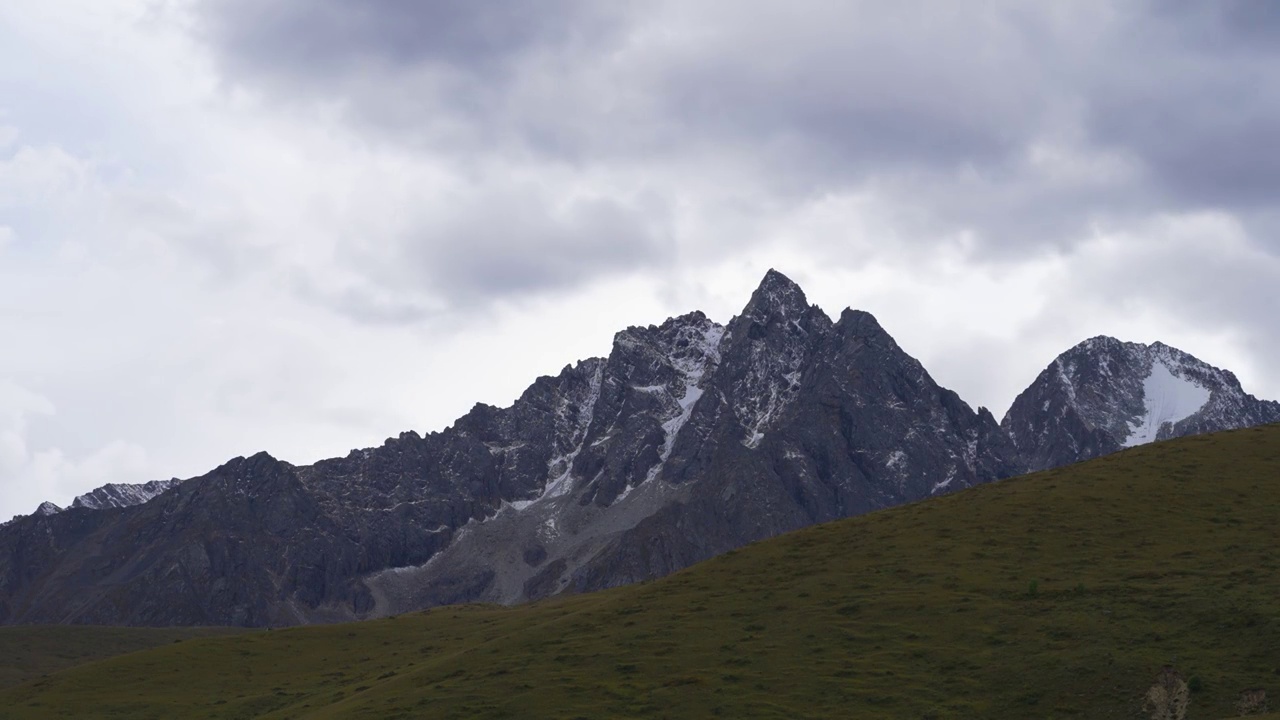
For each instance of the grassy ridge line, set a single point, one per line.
(1052, 596)
(28, 652)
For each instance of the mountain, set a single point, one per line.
(1104, 395)
(1060, 594)
(692, 439)
(688, 440)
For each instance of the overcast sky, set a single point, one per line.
(306, 225)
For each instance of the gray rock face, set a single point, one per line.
(242, 545)
(1104, 395)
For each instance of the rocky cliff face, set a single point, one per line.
(1104, 395)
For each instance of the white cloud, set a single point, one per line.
(17, 404)
(39, 174)
(30, 475)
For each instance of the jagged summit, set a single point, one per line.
(1099, 342)
(1105, 394)
(776, 284)
(863, 324)
(776, 298)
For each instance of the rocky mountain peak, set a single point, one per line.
(1100, 341)
(261, 461)
(862, 325)
(765, 352)
(777, 298)
(1103, 395)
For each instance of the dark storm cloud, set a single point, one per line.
(1226, 25)
(495, 245)
(864, 88)
(522, 248)
(321, 38)
(435, 72)
(847, 88)
(1194, 98)
(948, 111)
(450, 77)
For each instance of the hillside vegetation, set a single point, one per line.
(27, 653)
(1055, 595)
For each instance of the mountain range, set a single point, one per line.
(690, 439)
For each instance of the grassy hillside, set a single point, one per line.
(1052, 596)
(27, 653)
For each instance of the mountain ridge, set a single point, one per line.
(687, 440)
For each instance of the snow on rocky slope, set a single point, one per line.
(1104, 395)
(112, 495)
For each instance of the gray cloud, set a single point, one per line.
(440, 72)
(511, 244)
(1025, 126)
(1190, 95)
(827, 89)
(328, 37)
(497, 243)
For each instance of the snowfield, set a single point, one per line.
(1169, 399)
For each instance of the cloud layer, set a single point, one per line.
(303, 226)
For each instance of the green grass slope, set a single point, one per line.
(1056, 595)
(27, 653)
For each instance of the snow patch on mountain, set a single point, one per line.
(944, 484)
(1169, 398)
(770, 386)
(1064, 374)
(701, 353)
(561, 467)
(496, 449)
